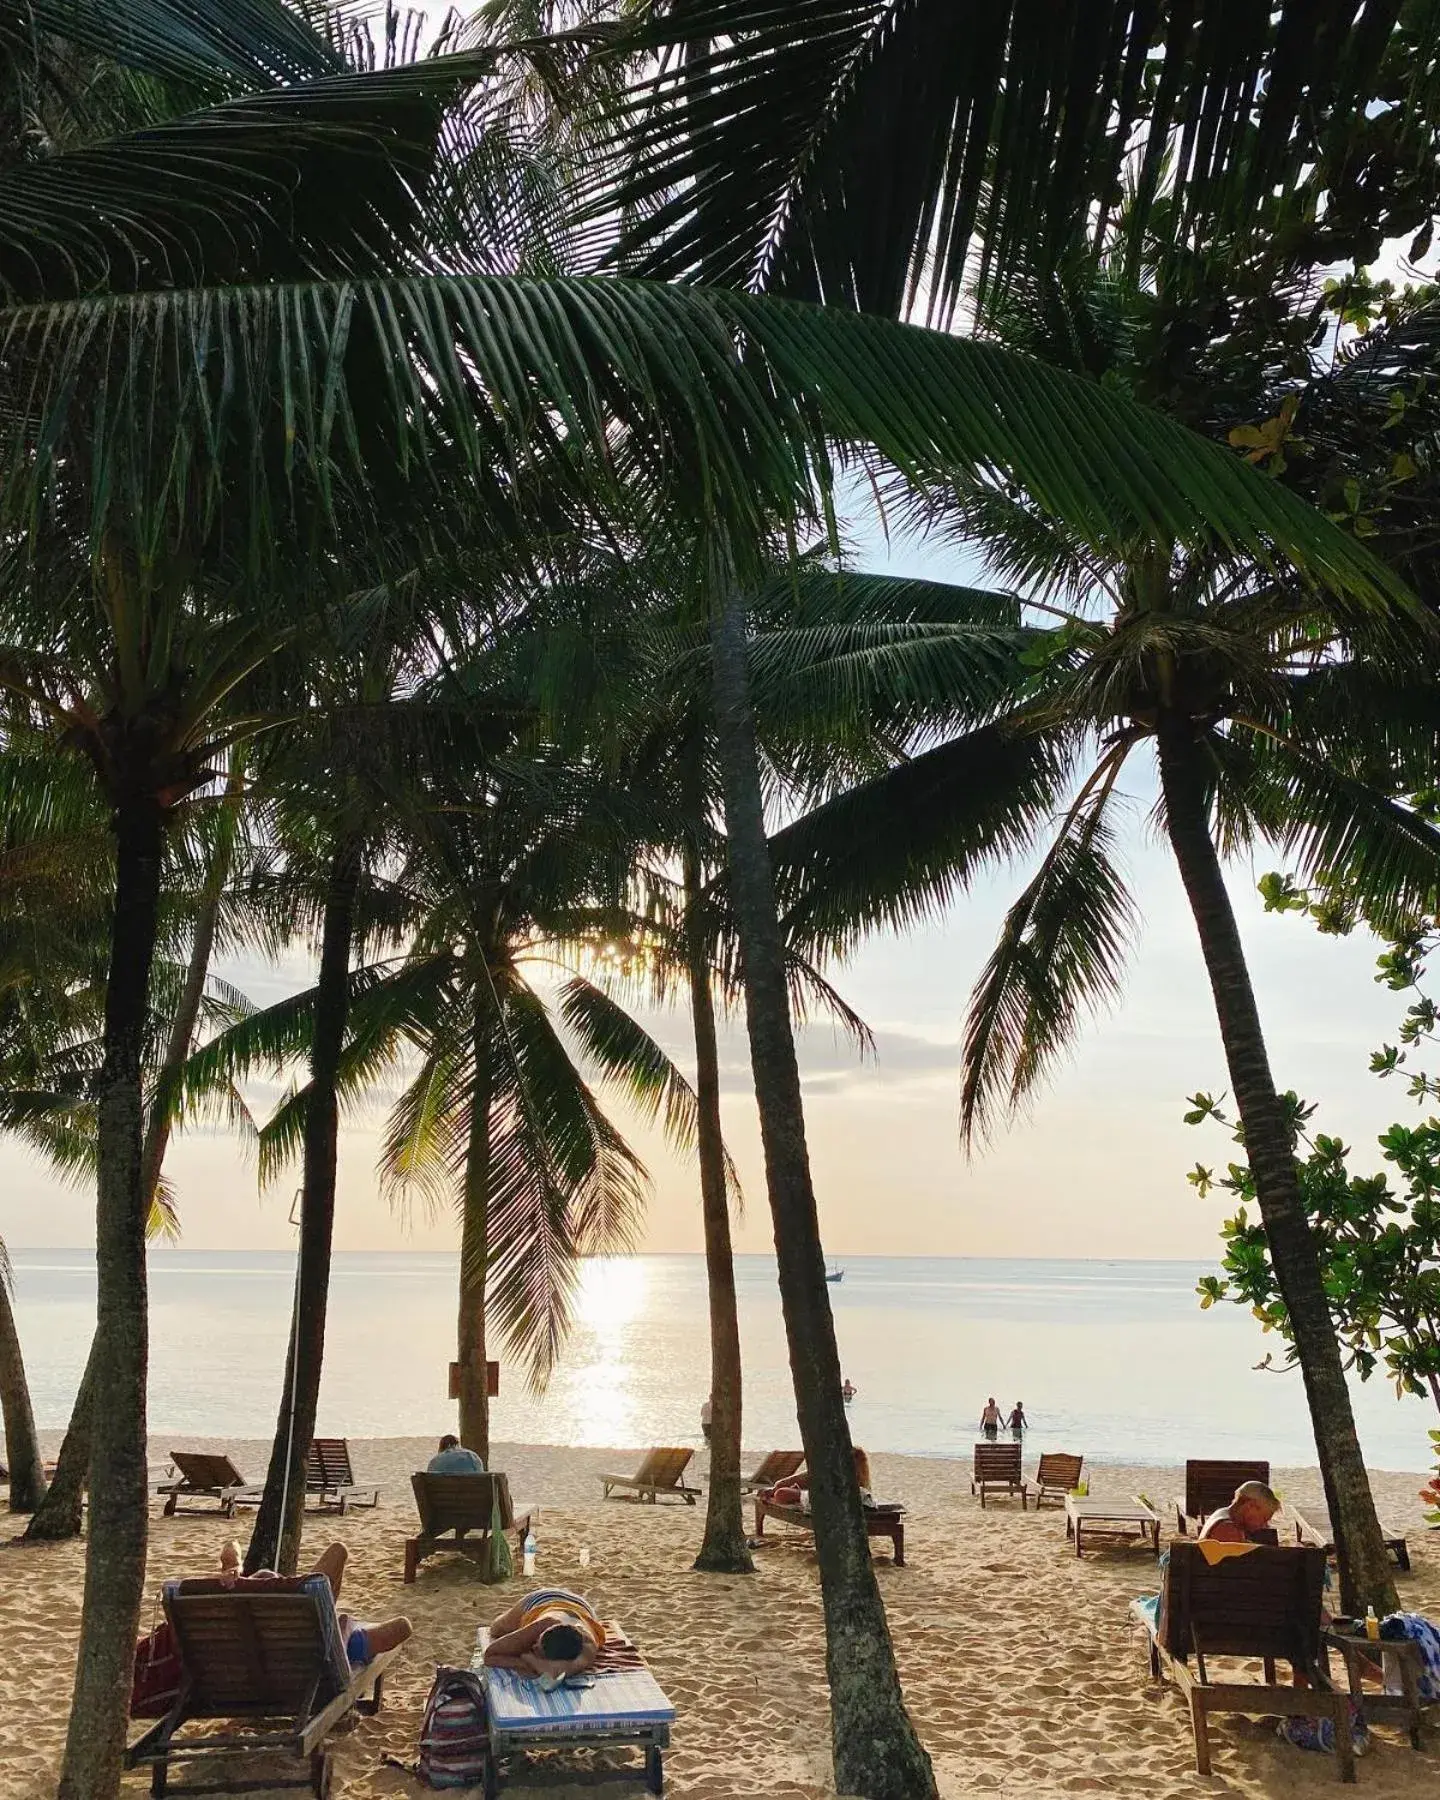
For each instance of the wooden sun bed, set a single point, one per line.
(268, 1659)
(773, 1469)
(1313, 1527)
(1057, 1475)
(1263, 1604)
(1209, 1485)
(203, 1475)
(661, 1472)
(624, 1705)
(997, 1470)
(330, 1480)
(456, 1513)
(881, 1520)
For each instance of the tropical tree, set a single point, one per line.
(1245, 682)
(333, 398)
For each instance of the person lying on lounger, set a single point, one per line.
(794, 1490)
(1250, 1511)
(362, 1642)
(551, 1632)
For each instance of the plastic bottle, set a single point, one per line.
(529, 1552)
(1372, 1625)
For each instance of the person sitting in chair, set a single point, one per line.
(452, 1459)
(1246, 1520)
(551, 1633)
(362, 1642)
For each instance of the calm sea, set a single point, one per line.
(1112, 1358)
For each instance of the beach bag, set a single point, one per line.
(499, 1564)
(454, 1742)
(155, 1684)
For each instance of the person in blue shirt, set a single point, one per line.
(451, 1459)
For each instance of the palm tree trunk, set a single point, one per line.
(59, 1515)
(61, 1510)
(22, 1447)
(119, 1502)
(1364, 1568)
(877, 1753)
(475, 1243)
(275, 1539)
(724, 1550)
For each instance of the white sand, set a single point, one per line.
(1019, 1666)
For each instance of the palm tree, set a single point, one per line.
(335, 400)
(22, 1447)
(1238, 675)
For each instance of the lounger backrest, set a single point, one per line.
(460, 1502)
(663, 1468)
(1211, 1485)
(1059, 1470)
(327, 1465)
(203, 1469)
(997, 1462)
(776, 1466)
(263, 1648)
(1265, 1602)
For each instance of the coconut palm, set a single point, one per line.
(341, 385)
(1246, 684)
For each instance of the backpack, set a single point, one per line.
(454, 1740)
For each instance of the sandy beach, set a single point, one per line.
(1020, 1668)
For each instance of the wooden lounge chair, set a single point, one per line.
(1313, 1527)
(1263, 1604)
(772, 1469)
(624, 1704)
(206, 1476)
(330, 1479)
(997, 1470)
(1211, 1485)
(882, 1519)
(270, 1660)
(661, 1472)
(455, 1514)
(1057, 1475)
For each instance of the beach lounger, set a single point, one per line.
(455, 1514)
(661, 1472)
(997, 1470)
(1057, 1475)
(772, 1469)
(882, 1519)
(330, 1480)
(269, 1661)
(1253, 1601)
(624, 1705)
(1211, 1485)
(1313, 1527)
(206, 1476)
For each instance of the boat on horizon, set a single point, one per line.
(834, 1274)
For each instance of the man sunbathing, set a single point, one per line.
(1249, 1513)
(362, 1642)
(551, 1633)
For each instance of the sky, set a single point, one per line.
(1096, 1168)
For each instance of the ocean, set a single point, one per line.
(1114, 1359)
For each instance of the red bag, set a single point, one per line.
(155, 1686)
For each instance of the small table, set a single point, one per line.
(880, 1521)
(1360, 1651)
(1116, 1521)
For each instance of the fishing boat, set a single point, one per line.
(834, 1274)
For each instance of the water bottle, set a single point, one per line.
(529, 1552)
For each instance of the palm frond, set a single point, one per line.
(1059, 958)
